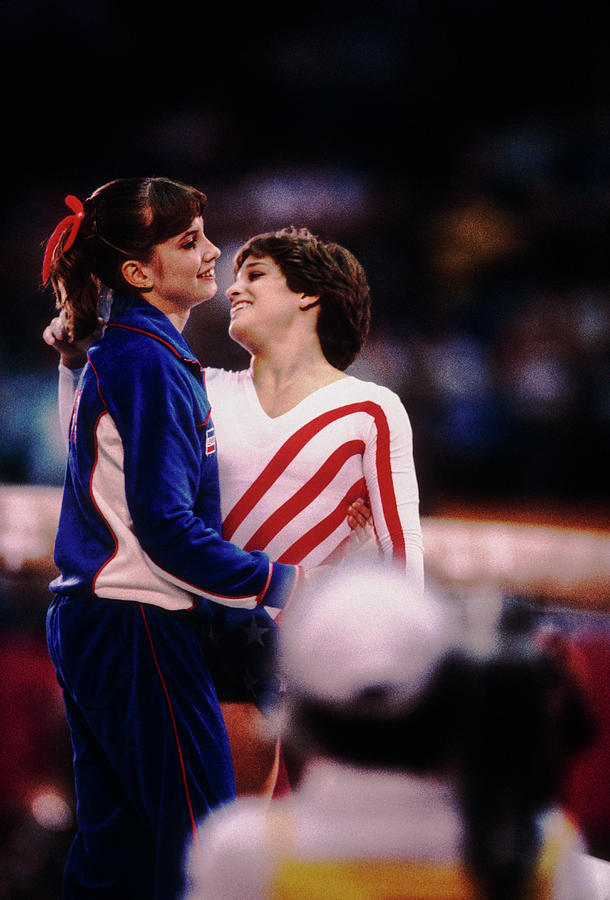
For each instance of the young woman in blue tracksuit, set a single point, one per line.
(138, 545)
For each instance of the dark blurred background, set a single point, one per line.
(459, 149)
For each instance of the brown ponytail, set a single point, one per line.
(124, 219)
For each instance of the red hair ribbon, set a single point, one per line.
(70, 222)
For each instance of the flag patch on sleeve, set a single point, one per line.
(210, 441)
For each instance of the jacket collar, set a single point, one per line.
(136, 314)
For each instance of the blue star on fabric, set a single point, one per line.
(250, 681)
(255, 632)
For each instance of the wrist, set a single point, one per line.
(73, 360)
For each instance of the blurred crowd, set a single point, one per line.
(460, 151)
(490, 314)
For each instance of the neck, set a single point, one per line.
(286, 362)
(178, 317)
(178, 320)
(283, 377)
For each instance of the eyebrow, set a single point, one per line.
(188, 233)
(255, 261)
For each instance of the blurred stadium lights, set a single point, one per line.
(51, 809)
(319, 197)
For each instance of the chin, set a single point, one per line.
(209, 293)
(238, 335)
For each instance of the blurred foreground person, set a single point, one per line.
(429, 772)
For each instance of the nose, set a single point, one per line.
(232, 291)
(211, 251)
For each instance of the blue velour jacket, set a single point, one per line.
(140, 517)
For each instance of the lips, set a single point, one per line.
(208, 273)
(241, 304)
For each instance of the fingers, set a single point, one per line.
(73, 353)
(359, 515)
(48, 336)
(55, 332)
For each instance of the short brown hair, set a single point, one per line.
(321, 268)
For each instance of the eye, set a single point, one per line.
(253, 275)
(190, 240)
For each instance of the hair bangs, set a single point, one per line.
(173, 206)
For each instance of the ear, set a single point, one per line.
(307, 302)
(138, 275)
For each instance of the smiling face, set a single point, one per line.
(335, 294)
(263, 307)
(180, 274)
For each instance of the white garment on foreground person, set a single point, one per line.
(341, 812)
(379, 823)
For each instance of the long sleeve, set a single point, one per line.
(66, 388)
(391, 482)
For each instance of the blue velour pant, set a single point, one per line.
(151, 753)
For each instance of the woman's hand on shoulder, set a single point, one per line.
(73, 353)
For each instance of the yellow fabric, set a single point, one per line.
(370, 880)
(394, 880)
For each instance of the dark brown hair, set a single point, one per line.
(327, 270)
(124, 219)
